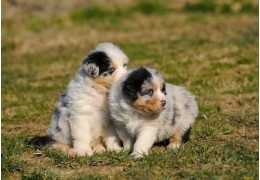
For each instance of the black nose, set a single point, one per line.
(163, 103)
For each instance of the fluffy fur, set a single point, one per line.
(81, 118)
(146, 110)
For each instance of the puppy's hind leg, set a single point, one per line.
(175, 141)
(61, 147)
(98, 146)
(178, 138)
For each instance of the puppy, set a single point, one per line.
(146, 110)
(81, 118)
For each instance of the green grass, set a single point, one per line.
(97, 12)
(12, 148)
(151, 7)
(210, 47)
(202, 6)
(93, 12)
(212, 6)
(40, 174)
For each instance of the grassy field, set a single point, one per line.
(210, 47)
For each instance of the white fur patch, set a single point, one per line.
(91, 69)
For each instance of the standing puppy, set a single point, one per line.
(81, 119)
(146, 110)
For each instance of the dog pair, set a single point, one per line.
(105, 103)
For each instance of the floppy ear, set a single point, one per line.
(91, 69)
(129, 91)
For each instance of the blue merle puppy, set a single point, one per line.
(146, 110)
(81, 122)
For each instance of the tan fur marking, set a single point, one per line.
(60, 147)
(98, 145)
(153, 87)
(113, 65)
(99, 148)
(108, 80)
(152, 105)
(161, 85)
(175, 140)
(72, 152)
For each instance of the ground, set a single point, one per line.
(210, 47)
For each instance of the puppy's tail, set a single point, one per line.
(40, 141)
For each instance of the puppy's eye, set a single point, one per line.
(105, 74)
(111, 70)
(149, 92)
(124, 65)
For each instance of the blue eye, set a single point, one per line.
(149, 92)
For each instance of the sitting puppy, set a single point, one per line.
(81, 118)
(146, 110)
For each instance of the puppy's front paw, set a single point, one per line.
(174, 145)
(99, 149)
(87, 152)
(78, 152)
(72, 152)
(127, 146)
(137, 154)
(115, 147)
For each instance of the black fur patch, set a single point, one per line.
(133, 83)
(100, 59)
(63, 99)
(39, 141)
(163, 143)
(58, 129)
(176, 113)
(57, 113)
(164, 89)
(187, 106)
(186, 136)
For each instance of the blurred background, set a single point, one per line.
(208, 46)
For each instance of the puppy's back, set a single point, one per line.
(183, 99)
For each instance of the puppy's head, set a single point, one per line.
(144, 88)
(105, 64)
